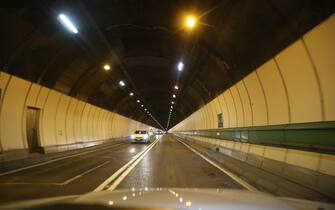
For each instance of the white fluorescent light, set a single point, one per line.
(122, 84)
(180, 66)
(67, 23)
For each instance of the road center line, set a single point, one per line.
(55, 160)
(120, 174)
(228, 173)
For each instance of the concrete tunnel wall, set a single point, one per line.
(63, 120)
(295, 86)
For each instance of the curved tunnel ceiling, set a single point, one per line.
(143, 41)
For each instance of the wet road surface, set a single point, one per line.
(171, 164)
(167, 164)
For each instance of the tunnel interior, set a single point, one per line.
(129, 99)
(143, 42)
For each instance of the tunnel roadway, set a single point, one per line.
(168, 163)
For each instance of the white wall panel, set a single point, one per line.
(61, 113)
(321, 46)
(301, 83)
(84, 122)
(231, 108)
(248, 115)
(70, 121)
(42, 97)
(225, 113)
(63, 119)
(78, 117)
(257, 99)
(238, 106)
(275, 93)
(48, 121)
(12, 118)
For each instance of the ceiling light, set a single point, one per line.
(172, 102)
(142, 105)
(67, 23)
(174, 96)
(107, 67)
(131, 94)
(190, 22)
(145, 109)
(171, 107)
(122, 84)
(176, 87)
(138, 101)
(180, 66)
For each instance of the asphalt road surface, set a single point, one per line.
(167, 164)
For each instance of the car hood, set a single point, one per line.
(177, 198)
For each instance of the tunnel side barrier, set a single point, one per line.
(310, 158)
(317, 137)
(311, 179)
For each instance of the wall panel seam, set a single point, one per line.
(225, 101)
(285, 89)
(24, 117)
(250, 103)
(265, 98)
(39, 91)
(1, 107)
(55, 118)
(243, 111)
(236, 117)
(65, 118)
(317, 77)
(41, 121)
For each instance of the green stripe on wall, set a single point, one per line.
(317, 136)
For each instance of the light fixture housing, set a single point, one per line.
(67, 23)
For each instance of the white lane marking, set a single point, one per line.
(129, 169)
(228, 173)
(84, 173)
(123, 168)
(68, 181)
(55, 160)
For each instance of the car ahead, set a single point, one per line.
(140, 136)
(160, 132)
